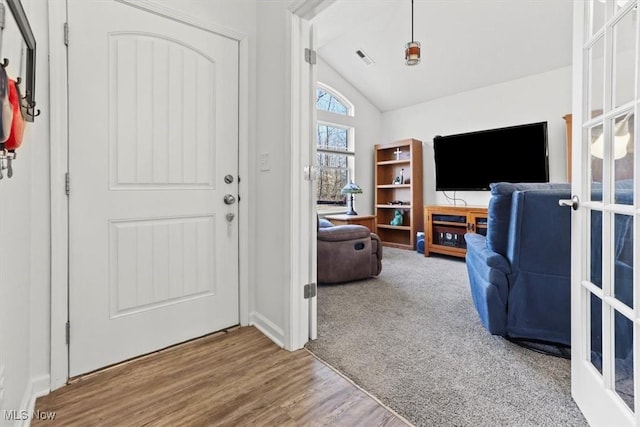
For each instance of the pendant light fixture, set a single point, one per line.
(412, 49)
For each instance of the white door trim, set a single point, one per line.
(59, 207)
(59, 161)
(302, 259)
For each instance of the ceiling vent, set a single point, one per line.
(365, 58)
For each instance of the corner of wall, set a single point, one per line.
(26, 413)
(270, 329)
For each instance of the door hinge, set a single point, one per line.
(310, 56)
(310, 290)
(66, 34)
(67, 187)
(68, 332)
(2, 15)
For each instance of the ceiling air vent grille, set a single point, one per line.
(365, 58)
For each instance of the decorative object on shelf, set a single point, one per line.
(397, 153)
(397, 180)
(398, 218)
(412, 49)
(402, 176)
(351, 189)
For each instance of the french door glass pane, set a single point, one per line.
(624, 59)
(624, 359)
(596, 149)
(623, 258)
(597, 16)
(596, 248)
(596, 332)
(596, 79)
(619, 4)
(623, 167)
(623, 153)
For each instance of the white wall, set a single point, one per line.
(541, 97)
(272, 187)
(367, 122)
(24, 247)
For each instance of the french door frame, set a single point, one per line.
(594, 391)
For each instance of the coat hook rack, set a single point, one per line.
(19, 15)
(23, 107)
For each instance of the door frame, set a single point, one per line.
(59, 104)
(302, 312)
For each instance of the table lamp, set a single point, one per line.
(351, 189)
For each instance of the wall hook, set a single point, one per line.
(5, 62)
(30, 112)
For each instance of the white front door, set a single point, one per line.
(153, 150)
(605, 289)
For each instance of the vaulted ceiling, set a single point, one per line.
(466, 44)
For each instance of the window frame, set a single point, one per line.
(336, 120)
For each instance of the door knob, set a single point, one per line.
(229, 199)
(574, 202)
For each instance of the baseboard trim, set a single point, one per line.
(38, 387)
(267, 327)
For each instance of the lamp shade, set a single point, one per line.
(621, 139)
(412, 53)
(351, 188)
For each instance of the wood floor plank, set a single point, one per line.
(234, 379)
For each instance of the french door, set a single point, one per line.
(605, 297)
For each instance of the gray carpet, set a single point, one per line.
(412, 338)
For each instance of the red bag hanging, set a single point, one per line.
(17, 124)
(6, 112)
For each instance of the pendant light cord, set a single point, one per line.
(411, 21)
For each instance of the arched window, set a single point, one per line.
(335, 146)
(329, 100)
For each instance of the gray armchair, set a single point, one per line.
(347, 253)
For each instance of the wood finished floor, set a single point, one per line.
(240, 378)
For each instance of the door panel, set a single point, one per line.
(153, 108)
(604, 306)
(161, 102)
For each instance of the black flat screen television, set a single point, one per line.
(471, 161)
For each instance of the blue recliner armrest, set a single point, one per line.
(489, 287)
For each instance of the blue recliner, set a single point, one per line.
(520, 273)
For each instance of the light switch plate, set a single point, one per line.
(265, 164)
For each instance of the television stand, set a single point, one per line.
(445, 227)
